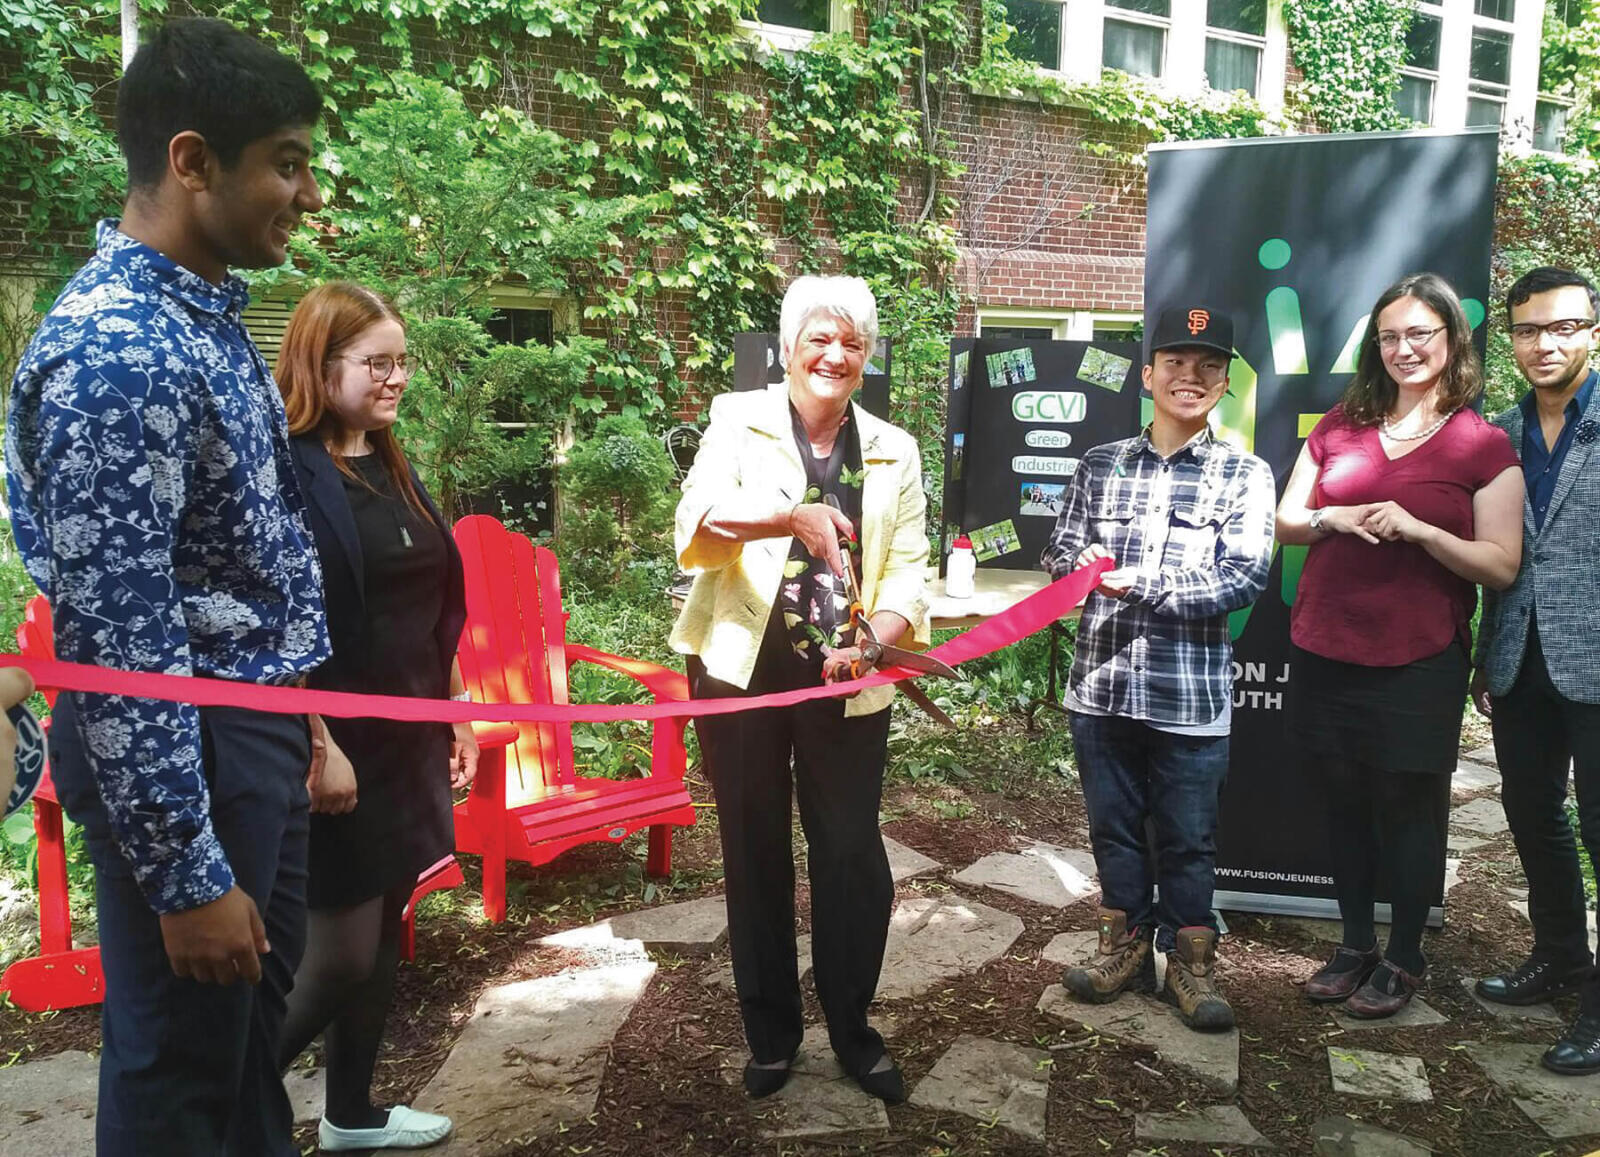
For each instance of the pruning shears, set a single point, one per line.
(876, 653)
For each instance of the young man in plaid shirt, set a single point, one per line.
(1188, 519)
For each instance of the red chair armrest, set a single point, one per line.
(495, 734)
(662, 682)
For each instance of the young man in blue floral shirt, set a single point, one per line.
(1188, 519)
(154, 500)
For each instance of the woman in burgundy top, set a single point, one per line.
(1407, 499)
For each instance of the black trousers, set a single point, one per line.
(837, 775)
(190, 1069)
(1538, 734)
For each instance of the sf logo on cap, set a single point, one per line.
(1199, 319)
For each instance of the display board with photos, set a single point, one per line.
(1021, 414)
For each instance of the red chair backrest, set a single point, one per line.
(514, 646)
(36, 635)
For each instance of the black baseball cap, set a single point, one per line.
(1191, 325)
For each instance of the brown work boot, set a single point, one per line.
(1190, 986)
(1124, 961)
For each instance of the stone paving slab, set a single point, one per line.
(47, 1106)
(1385, 1076)
(1043, 873)
(1510, 1011)
(1342, 1137)
(532, 1057)
(307, 1089)
(1417, 1014)
(904, 862)
(820, 1099)
(996, 1082)
(1471, 776)
(1561, 1106)
(690, 928)
(1460, 845)
(1211, 1057)
(935, 940)
(1484, 755)
(1520, 907)
(1484, 817)
(1212, 1125)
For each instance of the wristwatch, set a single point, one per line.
(1317, 516)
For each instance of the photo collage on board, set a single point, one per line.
(1021, 414)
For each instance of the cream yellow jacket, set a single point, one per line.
(748, 467)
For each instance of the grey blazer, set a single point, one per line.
(1560, 576)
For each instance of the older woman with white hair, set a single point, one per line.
(782, 476)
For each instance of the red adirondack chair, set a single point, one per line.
(514, 650)
(62, 976)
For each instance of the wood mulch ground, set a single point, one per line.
(672, 1082)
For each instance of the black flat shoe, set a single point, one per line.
(888, 1086)
(760, 1082)
(1577, 1052)
(1532, 981)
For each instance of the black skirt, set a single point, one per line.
(1402, 719)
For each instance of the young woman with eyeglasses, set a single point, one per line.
(381, 805)
(1407, 498)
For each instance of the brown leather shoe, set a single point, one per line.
(1388, 990)
(1190, 985)
(1124, 961)
(1346, 971)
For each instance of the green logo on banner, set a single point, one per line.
(1048, 406)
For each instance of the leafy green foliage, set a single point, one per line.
(1547, 213)
(617, 486)
(1349, 53)
(1569, 66)
(55, 148)
(438, 204)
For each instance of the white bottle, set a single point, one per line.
(960, 569)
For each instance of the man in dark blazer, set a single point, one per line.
(1538, 653)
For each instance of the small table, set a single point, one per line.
(995, 590)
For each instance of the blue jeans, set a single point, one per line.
(1132, 773)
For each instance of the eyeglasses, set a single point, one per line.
(1527, 332)
(1415, 338)
(380, 366)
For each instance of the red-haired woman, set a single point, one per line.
(394, 592)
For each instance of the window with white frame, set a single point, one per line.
(791, 25)
(1023, 324)
(1550, 124)
(1489, 67)
(1419, 79)
(1135, 37)
(1236, 40)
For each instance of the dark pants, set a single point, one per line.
(1538, 734)
(838, 778)
(1385, 828)
(187, 1068)
(1132, 771)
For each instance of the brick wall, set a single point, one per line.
(1042, 224)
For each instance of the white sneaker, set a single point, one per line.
(407, 1128)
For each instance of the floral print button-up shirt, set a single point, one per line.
(154, 500)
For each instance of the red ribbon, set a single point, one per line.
(1032, 614)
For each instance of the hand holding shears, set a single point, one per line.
(869, 651)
